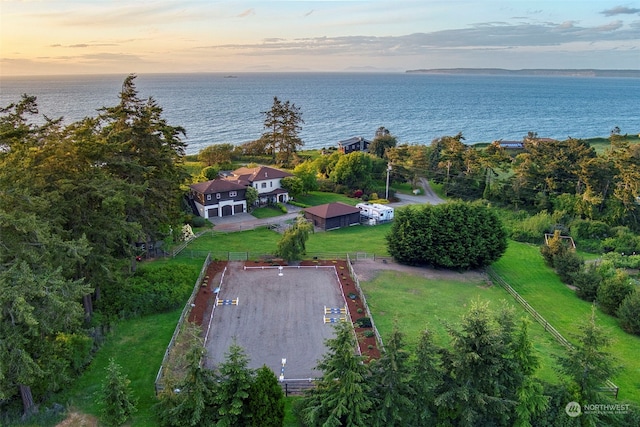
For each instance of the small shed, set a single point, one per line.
(333, 215)
(376, 211)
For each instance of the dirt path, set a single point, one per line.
(368, 269)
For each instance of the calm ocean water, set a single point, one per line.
(416, 108)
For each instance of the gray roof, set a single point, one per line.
(216, 186)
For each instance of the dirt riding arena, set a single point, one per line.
(276, 317)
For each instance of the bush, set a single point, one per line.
(326, 186)
(629, 313)
(363, 322)
(149, 291)
(587, 281)
(567, 265)
(298, 204)
(613, 291)
(452, 235)
(532, 229)
(589, 230)
(282, 207)
(623, 261)
(197, 221)
(624, 242)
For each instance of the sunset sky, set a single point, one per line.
(117, 36)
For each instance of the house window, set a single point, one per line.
(264, 185)
(208, 196)
(217, 195)
(233, 193)
(270, 183)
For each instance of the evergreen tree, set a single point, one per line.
(527, 390)
(588, 366)
(381, 143)
(232, 397)
(266, 401)
(489, 372)
(393, 390)
(144, 151)
(613, 291)
(282, 126)
(342, 393)
(629, 313)
(190, 402)
(451, 235)
(427, 377)
(116, 397)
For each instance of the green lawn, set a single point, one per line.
(315, 198)
(260, 240)
(359, 238)
(266, 212)
(523, 268)
(264, 241)
(137, 345)
(417, 303)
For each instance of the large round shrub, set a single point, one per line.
(453, 235)
(613, 291)
(629, 313)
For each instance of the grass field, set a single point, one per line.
(266, 212)
(265, 241)
(138, 346)
(315, 198)
(523, 268)
(417, 303)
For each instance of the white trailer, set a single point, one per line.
(375, 211)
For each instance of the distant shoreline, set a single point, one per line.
(531, 72)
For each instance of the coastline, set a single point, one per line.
(588, 72)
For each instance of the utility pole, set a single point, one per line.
(386, 195)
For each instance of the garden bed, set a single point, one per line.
(357, 310)
(205, 298)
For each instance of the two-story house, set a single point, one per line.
(264, 179)
(356, 143)
(218, 197)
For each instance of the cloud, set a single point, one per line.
(308, 13)
(610, 27)
(620, 10)
(488, 36)
(79, 45)
(246, 13)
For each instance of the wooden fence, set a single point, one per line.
(364, 302)
(184, 315)
(296, 387)
(609, 386)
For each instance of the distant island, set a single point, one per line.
(532, 72)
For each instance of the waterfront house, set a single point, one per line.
(218, 197)
(357, 143)
(266, 180)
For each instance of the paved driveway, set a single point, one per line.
(246, 221)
